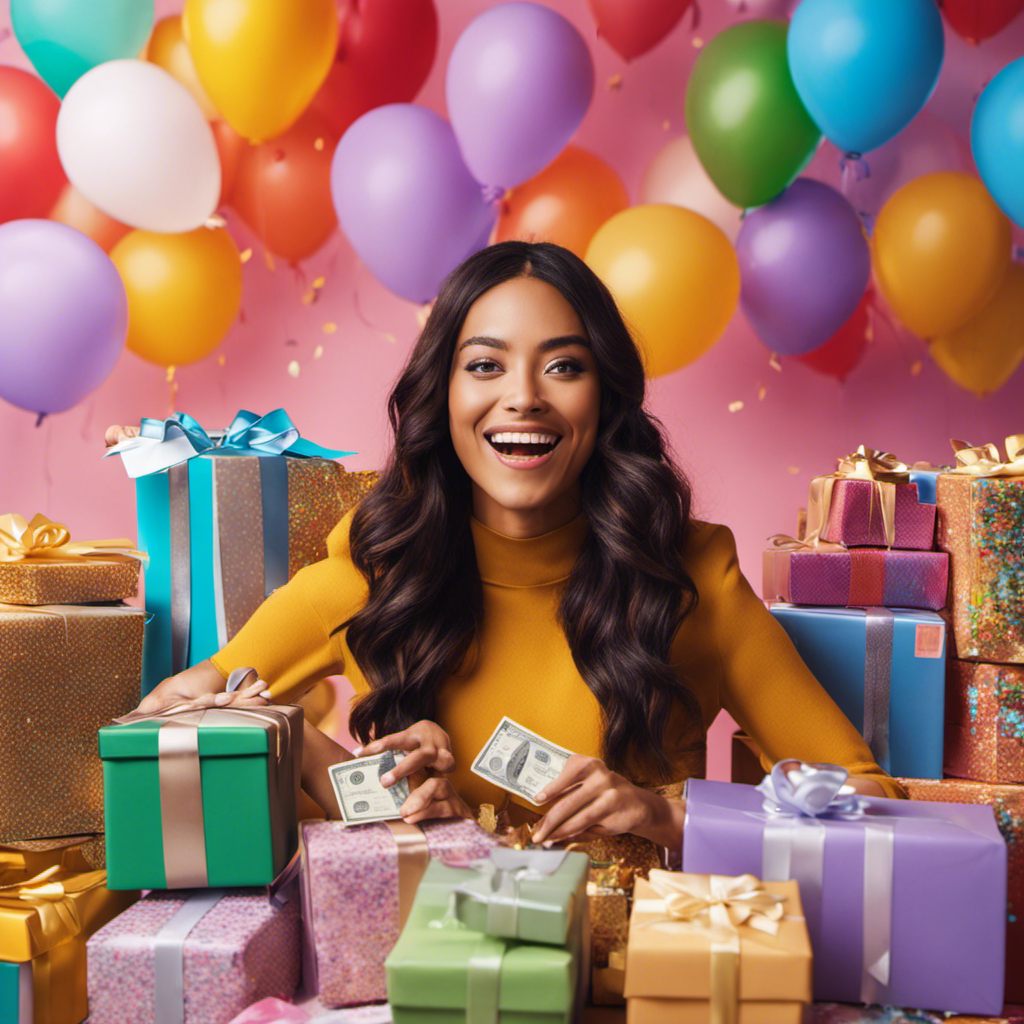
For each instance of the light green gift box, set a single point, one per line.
(201, 798)
(443, 972)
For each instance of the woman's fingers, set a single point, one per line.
(116, 433)
(575, 768)
(563, 809)
(587, 818)
(435, 798)
(423, 757)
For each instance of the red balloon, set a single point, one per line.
(843, 351)
(385, 52)
(633, 27)
(976, 20)
(31, 177)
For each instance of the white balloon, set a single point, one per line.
(134, 142)
(676, 176)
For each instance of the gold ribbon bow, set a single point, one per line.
(43, 540)
(871, 464)
(984, 460)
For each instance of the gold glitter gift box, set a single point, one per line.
(65, 670)
(981, 525)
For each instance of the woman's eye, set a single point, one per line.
(483, 365)
(565, 367)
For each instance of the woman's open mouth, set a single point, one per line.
(523, 449)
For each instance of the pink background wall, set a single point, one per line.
(749, 468)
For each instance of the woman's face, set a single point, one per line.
(523, 406)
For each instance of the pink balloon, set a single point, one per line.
(763, 8)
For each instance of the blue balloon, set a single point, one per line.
(864, 68)
(997, 139)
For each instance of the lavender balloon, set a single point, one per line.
(804, 265)
(63, 315)
(405, 199)
(520, 80)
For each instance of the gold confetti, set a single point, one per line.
(774, 362)
(319, 282)
(388, 337)
(318, 144)
(221, 360)
(310, 297)
(318, 351)
(697, 42)
(735, 406)
(245, 255)
(761, 392)
(615, 82)
(268, 259)
(869, 333)
(215, 221)
(293, 368)
(916, 368)
(793, 470)
(666, 125)
(330, 328)
(170, 374)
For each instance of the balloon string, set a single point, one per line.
(492, 193)
(40, 418)
(695, 24)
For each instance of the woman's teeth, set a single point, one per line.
(523, 445)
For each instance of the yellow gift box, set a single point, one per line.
(40, 564)
(45, 919)
(712, 949)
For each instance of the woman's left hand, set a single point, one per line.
(434, 798)
(589, 797)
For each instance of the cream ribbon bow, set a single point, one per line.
(985, 460)
(42, 539)
(730, 903)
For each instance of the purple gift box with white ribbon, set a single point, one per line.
(905, 900)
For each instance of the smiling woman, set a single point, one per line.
(529, 551)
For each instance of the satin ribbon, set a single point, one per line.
(498, 882)
(719, 906)
(884, 471)
(162, 444)
(798, 798)
(985, 460)
(878, 640)
(43, 540)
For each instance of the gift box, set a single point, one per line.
(226, 519)
(905, 901)
(66, 670)
(1007, 803)
(195, 957)
(984, 721)
(201, 798)
(358, 884)
(442, 971)
(873, 500)
(800, 573)
(45, 919)
(885, 668)
(31, 856)
(981, 525)
(706, 948)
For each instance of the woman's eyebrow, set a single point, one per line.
(562, 341)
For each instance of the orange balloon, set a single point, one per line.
(184, 292)
(73, 209)
(566, 203)
(940, 249)
(168, 50)
(230, 147)
(982, 355)
(283, 189)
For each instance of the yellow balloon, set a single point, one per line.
(168, 50)
(982, 355)
(674, 276)
(261, 61)
(940, 249)
(184, 292)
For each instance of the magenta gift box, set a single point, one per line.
(352, 901)
(212, 952)
(862, 577)
(855, 516)
(941, 913)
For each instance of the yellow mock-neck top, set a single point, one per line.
(729, 651)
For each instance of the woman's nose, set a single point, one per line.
(524, 393)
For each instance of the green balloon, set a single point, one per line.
(749, 128)
(65, 38)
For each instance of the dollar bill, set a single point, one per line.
(519, 760)
(361, 797)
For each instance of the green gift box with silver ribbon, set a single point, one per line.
(442, 971)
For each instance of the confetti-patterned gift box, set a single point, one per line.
(981, 525)
(984, 721)
(358, 884)
(1007, 802)
(65, 670)
(226, 519)
(198, 957)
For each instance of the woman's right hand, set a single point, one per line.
(204, 685)
(425, 744)
(116, 434)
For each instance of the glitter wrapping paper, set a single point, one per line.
(222, 533)
(72, 582)
(350, 879)
(984, 721)
(859, 577)
(65, 671)
(855, 516)
(981, 525)
(242, 950)
(1007, 803)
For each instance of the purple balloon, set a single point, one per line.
(405, 199)
(804, 265)
(63, 315)
(520, 80)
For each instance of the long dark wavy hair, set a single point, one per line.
(410, 536)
